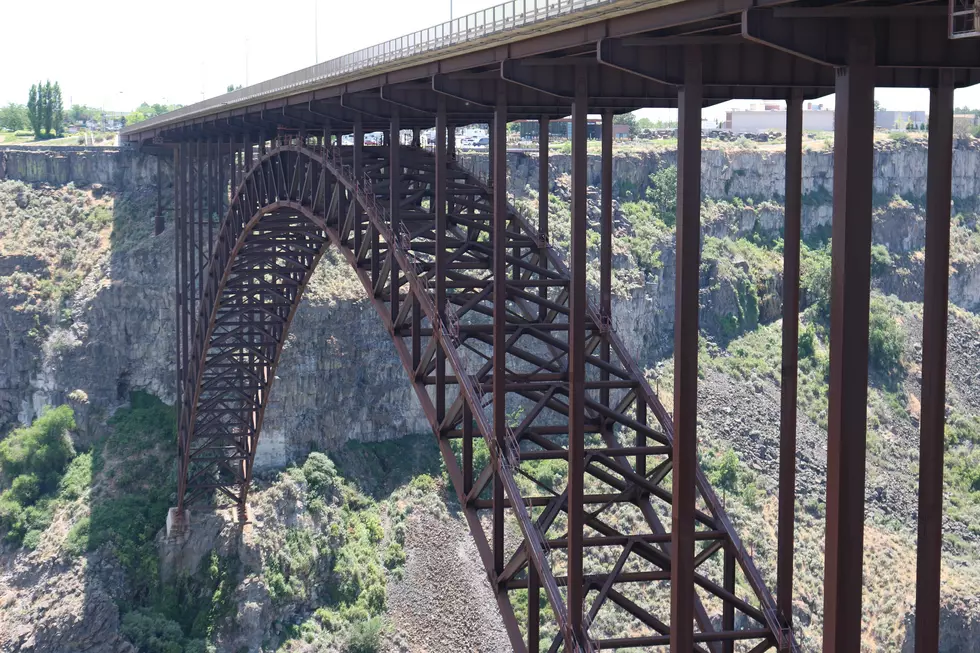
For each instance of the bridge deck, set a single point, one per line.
(532, 343)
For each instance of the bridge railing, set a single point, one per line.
(493, 20)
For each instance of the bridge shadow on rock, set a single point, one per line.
(132, 485)
(379, 468)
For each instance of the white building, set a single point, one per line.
(755, 121)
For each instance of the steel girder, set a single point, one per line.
(297, 198)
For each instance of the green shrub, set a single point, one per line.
(320, 474)
(807, 343)
(42, 449)
(394, 555)
(365, 636)
(725, 476)
(885, 339)
(32, 462)
(76, 542)
(881, 260)
(151, 632)
(77, 479)
(662, 194)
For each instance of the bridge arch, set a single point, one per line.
(294, 202)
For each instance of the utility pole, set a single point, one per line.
(316, 31)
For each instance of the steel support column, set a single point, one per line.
(358, 169)
(686, 353)
(605, 244)
(533, 609)
(498, 147)
(790, 355)
(451, 140)
(543, 188)
(576, 357)
(394, 210)
(158, 221)
(933, 412)
(850, 296)
(728, 609)
(439, 193)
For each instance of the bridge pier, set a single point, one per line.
(178, 523)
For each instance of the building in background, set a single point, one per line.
(772, 117)
(900, 120)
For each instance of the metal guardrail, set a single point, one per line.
(493, 20)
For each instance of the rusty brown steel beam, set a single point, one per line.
(933, 413)
(576, 361)
(850, 297)
(500, 211)
(686, 354)
(790, 356)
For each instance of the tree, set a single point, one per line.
(232, 87)
(47, 108)
(662, 193)
(878, 106)
(58, 110)
(33, 110)
(626, 119)
(13, 117)
(644, 123)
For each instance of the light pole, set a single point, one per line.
(316, 32)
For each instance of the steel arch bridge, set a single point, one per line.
(296, 200)
(496, 333)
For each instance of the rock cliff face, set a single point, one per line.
(339, 378)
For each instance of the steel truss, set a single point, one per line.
(430, 276)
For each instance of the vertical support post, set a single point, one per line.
(158, 222)
(790, 354)
(219, 188)
(467, 449)
(605, 244)
(416, 137)
(394, 205)
(451, 141)
(533, 609)
(543, 183)
(685, 455)
(543, 188)
(498, 142)
(934, 314)
(213, 157)
(246, 156)
(179, 286)
(197, 211)
(641, 438)
(358, 169)
(606, 221)
(728, 609)
(490, 154)
(576, 357)
(439, 193)
(850, 298)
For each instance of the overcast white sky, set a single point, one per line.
(118, 54)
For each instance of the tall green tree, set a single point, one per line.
(47, 108)
(33, 110)
(57, 110)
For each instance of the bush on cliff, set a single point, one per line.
(33, 460)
